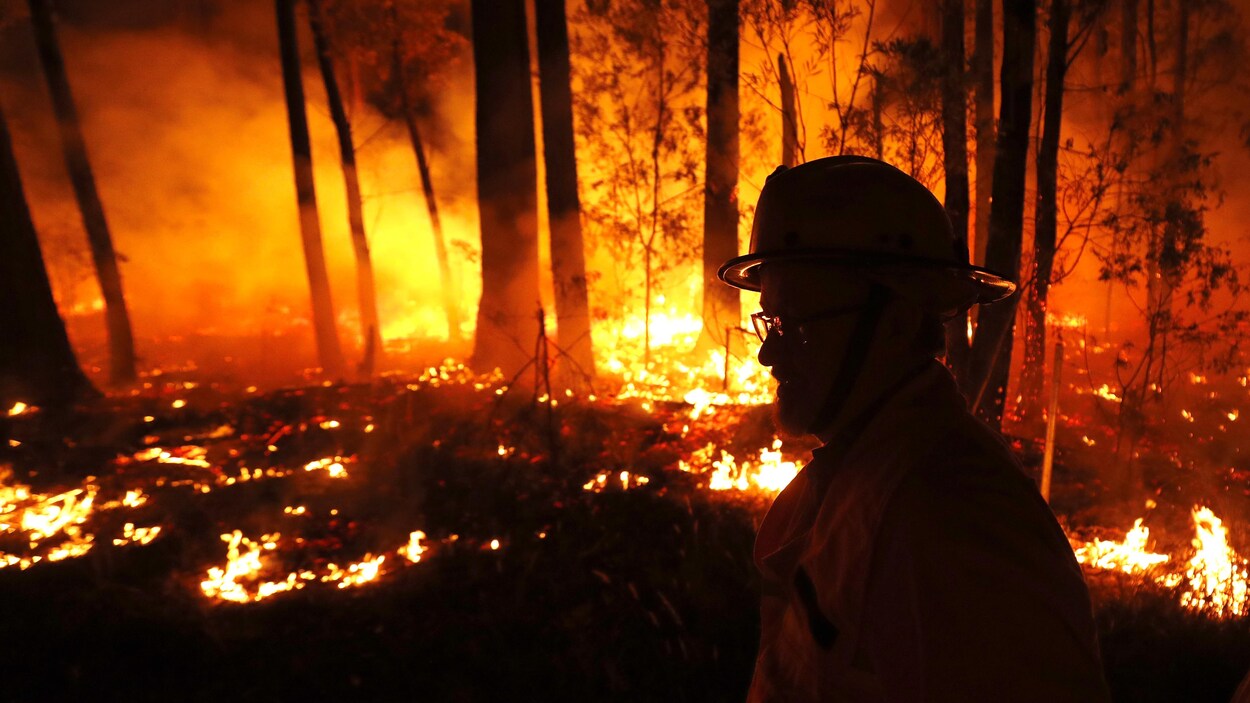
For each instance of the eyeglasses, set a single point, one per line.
(766, 325)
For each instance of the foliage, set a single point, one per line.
(902, 124)
(366, 35)
(638, 106)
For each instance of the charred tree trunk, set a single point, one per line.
(722, 306)
(37, 364)
(1045, 215)
(507, 181)
(117, 317)
(990, 360)
(955, 160)
(789, 116)
(366, 296)
(1128, 45)
(450, 286)
(329, 353)
(983, 122)
(568, 255)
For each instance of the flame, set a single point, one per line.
(413, 550)
(770, 475)
(356, 573)
(1106, 393)
(136, 535)
(1217, 576)
(1217, 579)
(333, 466)
(1129, 556)
(625, 479)
(19, 408)
(43, 518)
(1068, 320)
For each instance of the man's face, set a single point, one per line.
(805, 370)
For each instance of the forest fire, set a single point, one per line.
(282, 282)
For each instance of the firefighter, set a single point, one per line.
(911, 559)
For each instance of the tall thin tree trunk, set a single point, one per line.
(789, 116)
(568, 255)
(366, 296)
(990, 361)
(1128, 44)
(37, 363)
(722, 306)
(507, 183)
(117, 317)
(325, 330)
(1046, 212)
(955, 160)
(450, 289)
(983, 121)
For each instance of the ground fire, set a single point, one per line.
(377, 350)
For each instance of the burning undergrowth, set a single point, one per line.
(452, 537)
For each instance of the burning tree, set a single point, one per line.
(638, 70)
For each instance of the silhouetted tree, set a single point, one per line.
(990, 360)
(568, 254)
(507, 181)
(955, 158)
(37, 363)
(120, 334)
(366, 296)
(983, 122)
(722, 307)
(329, 353)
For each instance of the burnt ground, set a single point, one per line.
(632, 595)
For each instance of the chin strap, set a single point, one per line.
(855, 359)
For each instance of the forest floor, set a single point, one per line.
(611, 571)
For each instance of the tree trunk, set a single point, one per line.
(789, 116)
(120, 334)
(328, 351)
(366, 296)
(450, 288)
(507, 181)
(983, 122)
(990, 361)
(1045, 215)
(722, 306)
(1128, 44)
(37, 364)
(955, 160)
(568, 255)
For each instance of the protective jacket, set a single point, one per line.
(914, 561)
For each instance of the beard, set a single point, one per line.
(799, 405)
(795, 409)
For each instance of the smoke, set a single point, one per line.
(187, 133)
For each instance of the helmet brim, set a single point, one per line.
(743, 272)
